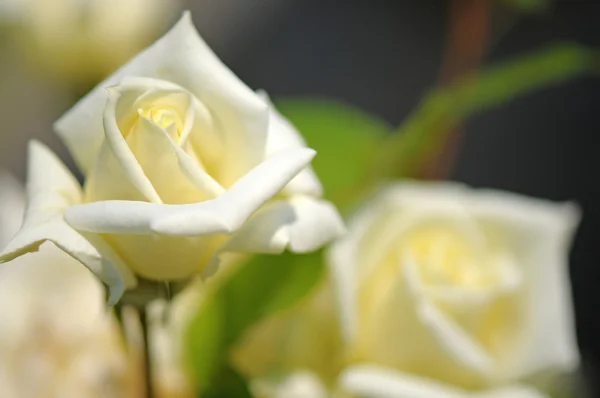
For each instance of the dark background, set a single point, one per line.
(383, 55)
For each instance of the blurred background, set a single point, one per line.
(379, 55)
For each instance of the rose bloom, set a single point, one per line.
(182, 163)
(445, 291)
(56, 337)
(83, 41)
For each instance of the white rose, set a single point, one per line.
(466, 287)
(85, 40)
(182, 162)
(56, 336)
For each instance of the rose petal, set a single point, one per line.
(462, 347)
(300, 223)
(173, 174)
(542, 232)
(225, 214)
(283, 135)
(51, 188)
(120, 150)
(372, 381)
(181, 57)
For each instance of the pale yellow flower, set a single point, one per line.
(81, 41)
(182, 163)
(445, 291)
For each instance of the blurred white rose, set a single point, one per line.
(56, 337)
(84, 40)
(465, 287)
(182, 162)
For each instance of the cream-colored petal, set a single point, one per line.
(343, 261)
(225, 214)
(12, 207)
(510, 392)
(51, 188)
(168, 242)
(374, 231)
(115, 140)
(283, 135)
(456, 342)
(301, 223)
(372, 381)
(541, 233)
(108, 181)
(183, 58)
(172, 173)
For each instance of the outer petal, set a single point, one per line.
(167, 242)
(12, 207)
(541, 231)
(283, 135)
(224, 214)
(181, 57)
(300, 223)
(343, 261)
(370, 381)
(50, 190)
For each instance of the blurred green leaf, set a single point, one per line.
(425, 131)
(204, 342)
(261, 286)
(346, 140)
(266, 284)
(228, 384)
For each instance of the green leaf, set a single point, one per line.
(261, 286)
(266, 284)
(346, 140)
(228, 384)
(427, 128)
(204, 342)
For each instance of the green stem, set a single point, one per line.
(147, 353)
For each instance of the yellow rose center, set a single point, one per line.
(445, 256)
(163, 117)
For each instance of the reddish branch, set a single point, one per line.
(468, 32)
